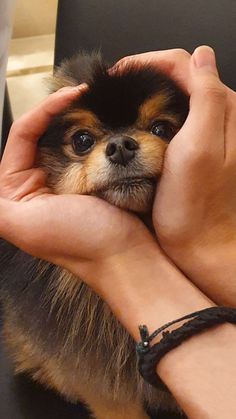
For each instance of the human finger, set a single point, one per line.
(21, 146)
(173, 62)
(204, 127)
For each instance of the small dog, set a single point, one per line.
(109, 143)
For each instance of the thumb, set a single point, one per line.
(207, 99)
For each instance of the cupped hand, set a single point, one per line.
(194, 212)
(195, 208)
(77, 232)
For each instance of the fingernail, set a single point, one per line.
(112, 70)
(204, 57)
(82, 86)
(78, 89)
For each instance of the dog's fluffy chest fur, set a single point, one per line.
(61, 333)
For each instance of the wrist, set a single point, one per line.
(142, 286)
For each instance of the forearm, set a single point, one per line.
(143, 286)
(201, 374)
(147, 289)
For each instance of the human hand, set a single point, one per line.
(78, 232)
(195, 207)
(194, 210)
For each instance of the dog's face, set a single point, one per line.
(111, 142)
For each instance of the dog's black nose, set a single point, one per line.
(120, 150)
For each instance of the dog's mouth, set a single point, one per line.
(128, 184)
(132, 193)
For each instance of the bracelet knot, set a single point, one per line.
(149, 356)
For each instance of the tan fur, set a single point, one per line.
(153, 109)
(92, 173)
(116, 411)
(49, 373)
(67, 287)
(58, 82)
(151, 152)
(83, 118)
(71, 376)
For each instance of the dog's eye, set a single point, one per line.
(82, 142)
(163, 129)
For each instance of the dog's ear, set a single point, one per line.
(79, 69)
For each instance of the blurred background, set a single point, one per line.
(31, 53)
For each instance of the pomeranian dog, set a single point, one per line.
(109, 143)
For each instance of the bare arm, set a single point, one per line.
(201, 373)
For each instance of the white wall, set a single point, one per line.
(34, 17)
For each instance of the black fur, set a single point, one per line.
(115, 97)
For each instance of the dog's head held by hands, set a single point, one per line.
(111, 142)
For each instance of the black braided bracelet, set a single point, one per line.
(149, 356)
